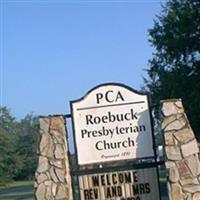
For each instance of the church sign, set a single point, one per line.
(139, 184)
(111, 123)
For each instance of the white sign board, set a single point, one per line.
(140, 184)
(112, 122)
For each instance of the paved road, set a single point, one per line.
(17, 189)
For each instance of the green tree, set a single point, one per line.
(7, 121)
(10, 162)
(27, 146)
(174, 70)
(18, 146)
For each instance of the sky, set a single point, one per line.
(55, 51)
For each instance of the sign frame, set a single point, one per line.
(131, 90)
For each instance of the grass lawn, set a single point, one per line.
(19, 190)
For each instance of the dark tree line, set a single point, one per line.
(18, 146)
(174, 70)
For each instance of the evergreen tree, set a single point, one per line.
(175, 67)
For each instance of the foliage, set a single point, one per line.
(10, 163)
(175, 67)
(7, 122)
(18, 142)
(27, 146)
